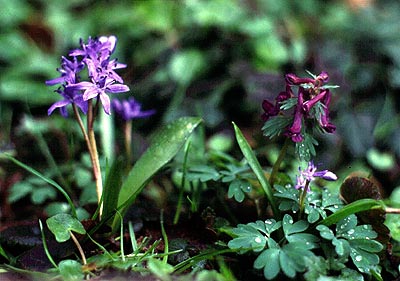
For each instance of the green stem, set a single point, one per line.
(278, 161)
(181, 191)
(94, 156)
(46, 249)
(79, 247)
(128, 141)
(165, 237)
(303, 196)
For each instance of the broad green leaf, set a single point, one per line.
(61, 225)
(71, 270)
(165, 146)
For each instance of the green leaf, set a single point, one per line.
(325, 232)
(342, 247)
(253, 236)
(256, 167)
(41, 194)
(71, 270)
(61, 225)
(44, 178)
(203, 173)
(289, 227)
(19, 190)
(165, 146)
(306, 148)
(393, 223)
(352, 208)
(237, 189)
(275, 125)
(186, 65)
(111, 187)
(269, 260)
(287, 264)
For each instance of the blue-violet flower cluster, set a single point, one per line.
(130, 109)
(310, 173)
(310, 92)
(102, 78)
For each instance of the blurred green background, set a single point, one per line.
(219, 59)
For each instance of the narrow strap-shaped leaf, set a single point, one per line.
(256, 167)
(44, 178)
(352, 208)
(166, 144)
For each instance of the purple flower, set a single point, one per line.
(130, 109)
(100, 88)
(69, 70)
(103, 80)
(70, 97)
(310, 173)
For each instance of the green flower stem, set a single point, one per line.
(352, 208)
(82, 127)
(303, 196)
(79, 247)
(128, 140)
(94, 156)
(278, 162)
(256, 167)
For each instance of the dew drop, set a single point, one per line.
(335, 206)
(351, 231)
(291, 221)
(247, 188)
(257, 240)
(367, 238)
(268, 222)
(358, 258)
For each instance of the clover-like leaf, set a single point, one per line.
(253, 236)
(62, 224)
(269, 260)
(203, 173)
(290, 227)
(325, 232)
(237, 189)
(71, 270)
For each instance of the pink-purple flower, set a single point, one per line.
(310, 173)
(311, 91)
